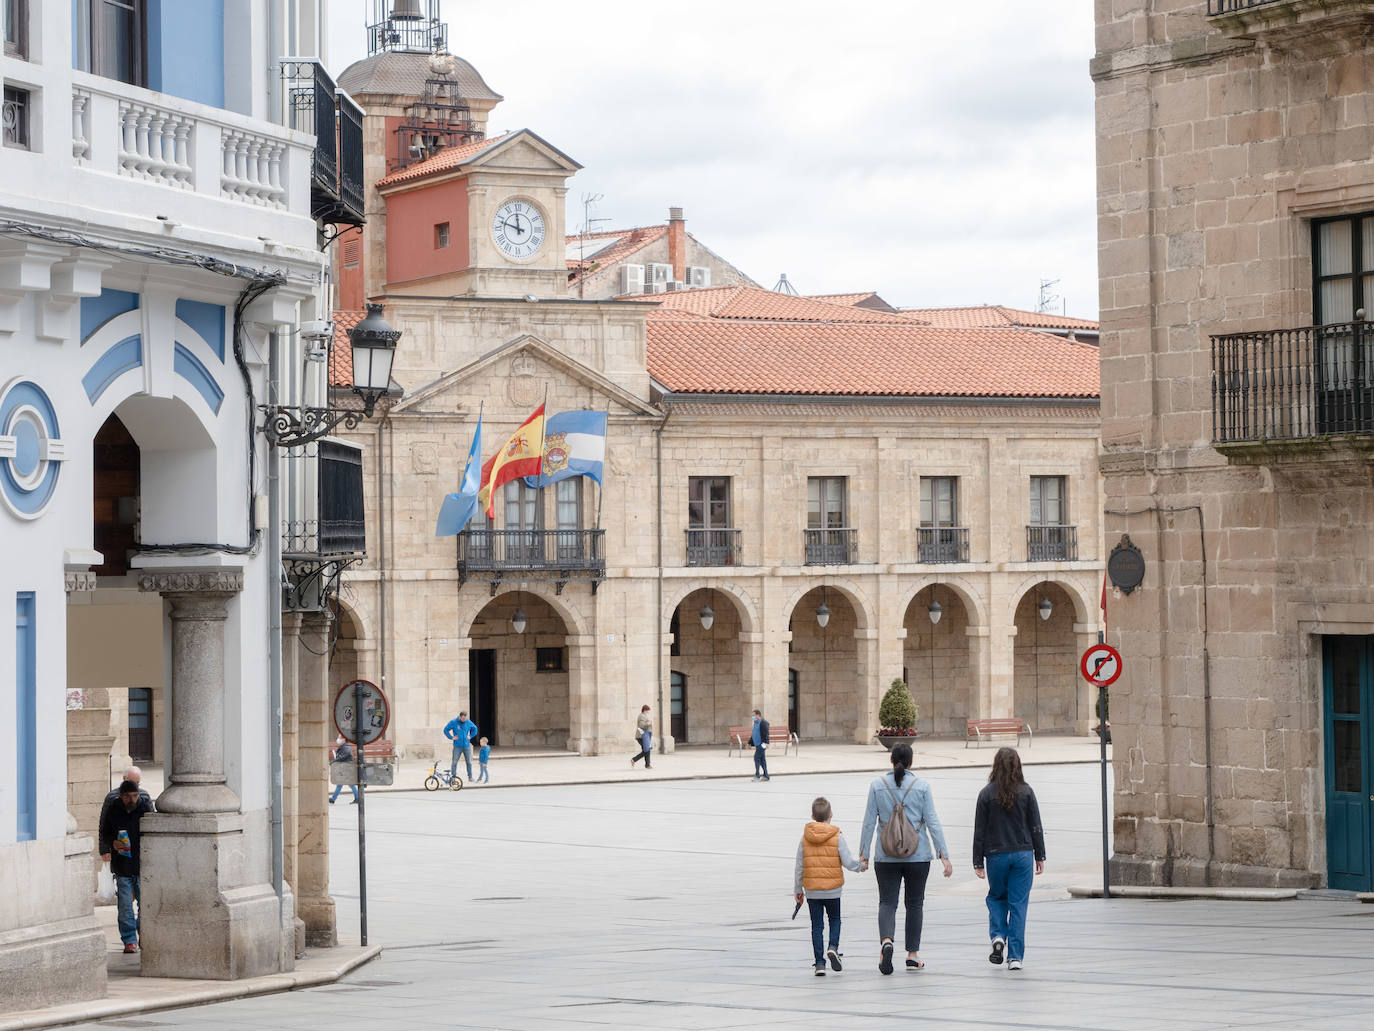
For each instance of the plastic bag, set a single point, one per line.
(105, 886)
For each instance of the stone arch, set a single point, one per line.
(1046, 689)
(829, 672)
(745, 604)
(1082, 596)
(972, 601)
(710, 682)
(573, 618)
(939, 658)
(858, 598)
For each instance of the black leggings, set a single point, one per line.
(890, 877)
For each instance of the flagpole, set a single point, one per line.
(600, 487)
(543, 423)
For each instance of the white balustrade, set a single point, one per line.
(154, 144)
(252, 168)
(81, 126)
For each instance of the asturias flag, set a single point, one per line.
(574, 445)
(458, 508)
(518, 457)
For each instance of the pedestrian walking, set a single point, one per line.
(1008, 841)
(822, 858)
(460, 730)
(900, 806)
(119, 846)
(644, 737)
(483, 755)
(758, 737)
(342, 754)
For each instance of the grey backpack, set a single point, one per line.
(899, 839)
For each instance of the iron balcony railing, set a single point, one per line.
(1048, 543)
(714, 547)
(496, 551)
(338, 528)
(1293, 384)
(942, 544)
(1215, 7)
(315, 105)
(350, 161)
(835, 546)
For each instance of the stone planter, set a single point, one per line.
(888, 740)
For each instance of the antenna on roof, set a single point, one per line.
(588, 226)
(1048, 298)
(782, 286)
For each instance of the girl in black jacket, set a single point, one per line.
(1007, 836)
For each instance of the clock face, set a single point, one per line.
(518, 229)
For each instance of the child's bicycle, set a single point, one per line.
(437, 777)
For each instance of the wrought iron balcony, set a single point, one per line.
(338, 528)
(559, 555)
(941, 544)
(1049, 543)
(1215, 7)
(1293, 20)
(834, 546)
(1293, 384)
(714, 547)
(315, 105)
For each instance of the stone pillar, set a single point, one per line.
(205, 913)
(980, 671)
(1001, 671)
(290, 647)
(1085, 714)
(582, 721)
(316, 735)
(870, 687)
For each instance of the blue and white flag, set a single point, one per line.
(458, 508)
(574, 445)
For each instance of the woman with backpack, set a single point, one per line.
(899, 806)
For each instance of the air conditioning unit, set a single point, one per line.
(673, 285)
(657, 273)
(698, 276)
(655, 288)
(631, 279)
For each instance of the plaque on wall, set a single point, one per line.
(1126, 565)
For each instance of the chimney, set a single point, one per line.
(677, 244)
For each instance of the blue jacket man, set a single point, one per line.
(461, 731)
(759, 739)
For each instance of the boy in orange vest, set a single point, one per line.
(822, 858)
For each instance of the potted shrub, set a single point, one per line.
(897, 714)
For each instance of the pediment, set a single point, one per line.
(516, 376)
(525, 150)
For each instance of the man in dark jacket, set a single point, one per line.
(119, 846)
(759, 739)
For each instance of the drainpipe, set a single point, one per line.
(382, 425)
(658, 562)
(274, 657)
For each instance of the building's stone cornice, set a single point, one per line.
(192, 581)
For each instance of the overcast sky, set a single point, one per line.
(939, 153)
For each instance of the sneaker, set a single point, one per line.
(1014, 964)
(997, 946)
(767, 778)
(632, 764)
(885, 964)
(757, 777)
(834, 957)
(131, 947)
(820, 969)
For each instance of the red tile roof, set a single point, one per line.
(630, 241)
(747, 302)
(341, 354)
(446, 160)
(856, 299)
(723, 356)
(989, 315)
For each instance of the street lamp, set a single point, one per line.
(518, 622)
(822, 612)
(936, 611)
(1045, 608)
(707, 616)
(373, 345)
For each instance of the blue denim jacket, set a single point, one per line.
(920, 805)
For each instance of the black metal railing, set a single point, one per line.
(715, 547)
(350, 161)
(1293, 384)
(835, 546)
(494, 551)
(1215, 7)
(942, 544)
(1049, 543)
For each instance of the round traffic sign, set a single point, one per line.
(375, 710)
(1101, 665)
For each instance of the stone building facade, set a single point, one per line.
(1235, 195)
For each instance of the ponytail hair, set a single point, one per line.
(901, 761)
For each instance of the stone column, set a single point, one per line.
(206, 913)
(290, 647)
(1085, 714)
(315, 736)
(582, 721)
(870, 687)
(980, 671)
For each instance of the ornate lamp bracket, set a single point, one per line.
(289, 426)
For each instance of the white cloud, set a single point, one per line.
(941, 154)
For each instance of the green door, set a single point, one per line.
(1348, 676)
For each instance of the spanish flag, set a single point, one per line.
(519, 456)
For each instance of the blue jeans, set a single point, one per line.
(760, 761)
(819, 909)
(339, 787)
(482, 774)
(126, 894)
(1009, 884)
(465, 750)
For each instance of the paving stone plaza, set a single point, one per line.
(666, 904)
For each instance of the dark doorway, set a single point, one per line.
(116, 490)
(1348, 692)
(482, 691)
(141, 724)
(793, 716)
(677, 707)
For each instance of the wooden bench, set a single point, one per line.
(739, 738)
(979, 729)
(382, 750)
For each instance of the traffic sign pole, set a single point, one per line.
(1102, 741)
(362, 809)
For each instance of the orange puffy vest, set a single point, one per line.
(821, 869)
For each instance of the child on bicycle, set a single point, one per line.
(483, 754)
